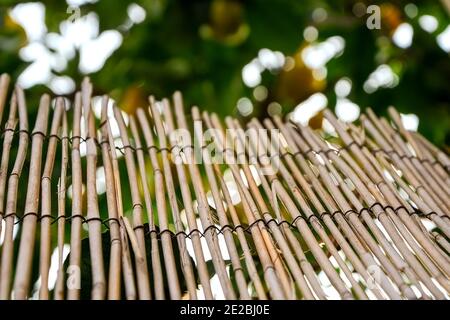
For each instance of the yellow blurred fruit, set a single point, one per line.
(133, 98)
(297, 82)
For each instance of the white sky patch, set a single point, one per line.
(35, 73)
(320, 73)
(271, 60)
(410, 121)
(309, 108)
(403, 35)
(266, 60)
(310, 34)
(443, 39)
(347, 110)
(428, 23)
(245, 106)
(76, 3)
(251, 73)
(136, 13)
(31, 16)
(100, 181)
(94, 53)
(80, 30)
(62, 85)
(411, 10)
(53, 272)
(317, 55)
(382, 77)
(343, 87)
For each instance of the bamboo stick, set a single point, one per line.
(301, 200)
(30, 217)
(250, 263)
(232, 250)
(62, 182)
(143, 281)
(77, 218)
(7, 142)
(203, 208)
(267, 253)
(186, 264)
(98, 291)
(46, 200)
(156, 259)
(115, 262)
(188, 204)
(11, 198)
(4, 84)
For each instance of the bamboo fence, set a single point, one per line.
(281, 212)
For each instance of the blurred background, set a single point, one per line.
(242, 58)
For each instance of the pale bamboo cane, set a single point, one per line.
(4, 84)
(46, 200)
(62, 182)
(250, 263)
(30, 217)
(386, 137)
(128, 275)
(7, 142)
(156, 259)
(99, 285)
(431, 154)
(143, 281)
(186, 264)
(203, 207)
(393, 243)
(166, 240)
(355, 222)
(376, 177)
(188, 204)
(115, 263)
(391, 231)
(327, 200)
(268, 255)
(223, 220)
(301, 200)
(11, 198)
(417, 174)
(442, 158)
(252, 149)
(74, 269)
(278, 234)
